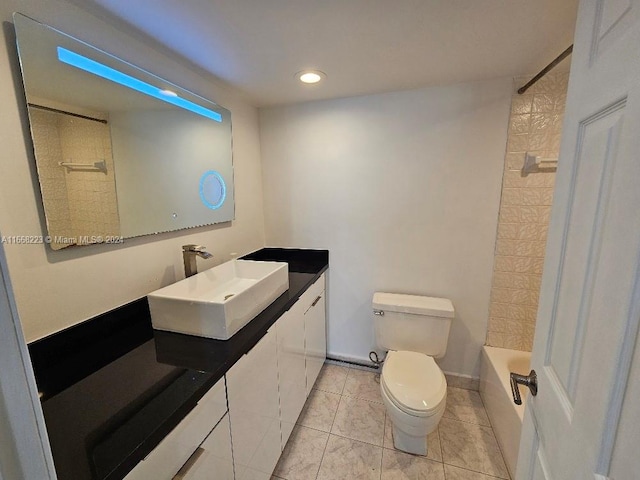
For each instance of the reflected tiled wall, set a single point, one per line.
(77, 202)
(46, 142)
(92, 195)
(535, 126)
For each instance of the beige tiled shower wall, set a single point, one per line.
(46, 142)
(78, 203)
(534, 126)
(92, 194)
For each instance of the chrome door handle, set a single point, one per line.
(530, 381)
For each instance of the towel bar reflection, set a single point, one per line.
(100, 166)
(535, 164)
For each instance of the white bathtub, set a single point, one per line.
(505, 416)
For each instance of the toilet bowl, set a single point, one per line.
(414, 392)
(414, 331)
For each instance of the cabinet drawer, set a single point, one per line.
(213, 459)
(176, 448)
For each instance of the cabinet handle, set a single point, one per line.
(316, 301)
(188, 465)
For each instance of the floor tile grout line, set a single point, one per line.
(356, 440)
(474, 471)
(469, 469)
(322, 457)
(466, 421)
(469, 423)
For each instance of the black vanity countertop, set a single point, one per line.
(112, 387)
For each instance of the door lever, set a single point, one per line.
(530, 381)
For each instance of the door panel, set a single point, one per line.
(291, 368)
(584, 422)
(316, 339)
(252, 389)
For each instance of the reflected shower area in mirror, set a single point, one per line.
(119, 152)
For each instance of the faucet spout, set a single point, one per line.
(189, 254)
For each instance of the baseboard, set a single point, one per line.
(466, 382)
(351, 362)
(456, 380)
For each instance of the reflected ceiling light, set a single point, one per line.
(310, 76)
(108, 73)
(168, 93)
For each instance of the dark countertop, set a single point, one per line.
(112, 387)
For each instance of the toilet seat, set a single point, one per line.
(414, 383)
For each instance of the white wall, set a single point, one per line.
(403, 189)
(56, 289)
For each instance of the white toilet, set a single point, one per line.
(414, 330)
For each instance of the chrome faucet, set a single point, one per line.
(189, 253)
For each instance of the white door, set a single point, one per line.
(585, 421)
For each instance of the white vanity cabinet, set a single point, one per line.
(179, 446)
(252, 388)
(213, 459)
(291, 367)
(267, 388)
(315, 331)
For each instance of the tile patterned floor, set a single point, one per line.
(343, 433)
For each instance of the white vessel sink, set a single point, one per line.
(218, 302)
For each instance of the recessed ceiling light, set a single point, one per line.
(310, 76)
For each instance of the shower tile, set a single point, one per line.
(521, 104)
(466, 406)
(508, 230)
(331, 378)
(501, 295)
(360, 420)
(345, 458)
(499, 309)
(518, 143)
(513, 342)
(504, 264)
(402, 466)
(543, 103)
(470, 446)
(514, 161)
(498, 325)
(495, 339)
(514, 327)
(320, 410)
(519, 124)
(512, 196)
(532, 231)
(363, 384)
(506, 247)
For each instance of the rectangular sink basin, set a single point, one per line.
(218, 302)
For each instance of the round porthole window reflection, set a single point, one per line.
(213, 190)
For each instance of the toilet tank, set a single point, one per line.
(411, 322)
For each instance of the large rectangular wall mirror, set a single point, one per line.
(120, 152)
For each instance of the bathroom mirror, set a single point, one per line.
(120, 152)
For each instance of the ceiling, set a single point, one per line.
(364, 46)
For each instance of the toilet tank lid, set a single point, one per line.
(416, 304)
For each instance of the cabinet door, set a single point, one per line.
(291, 368)
(315, 336)
(213, 459)
(252, 389)
(179, 445)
